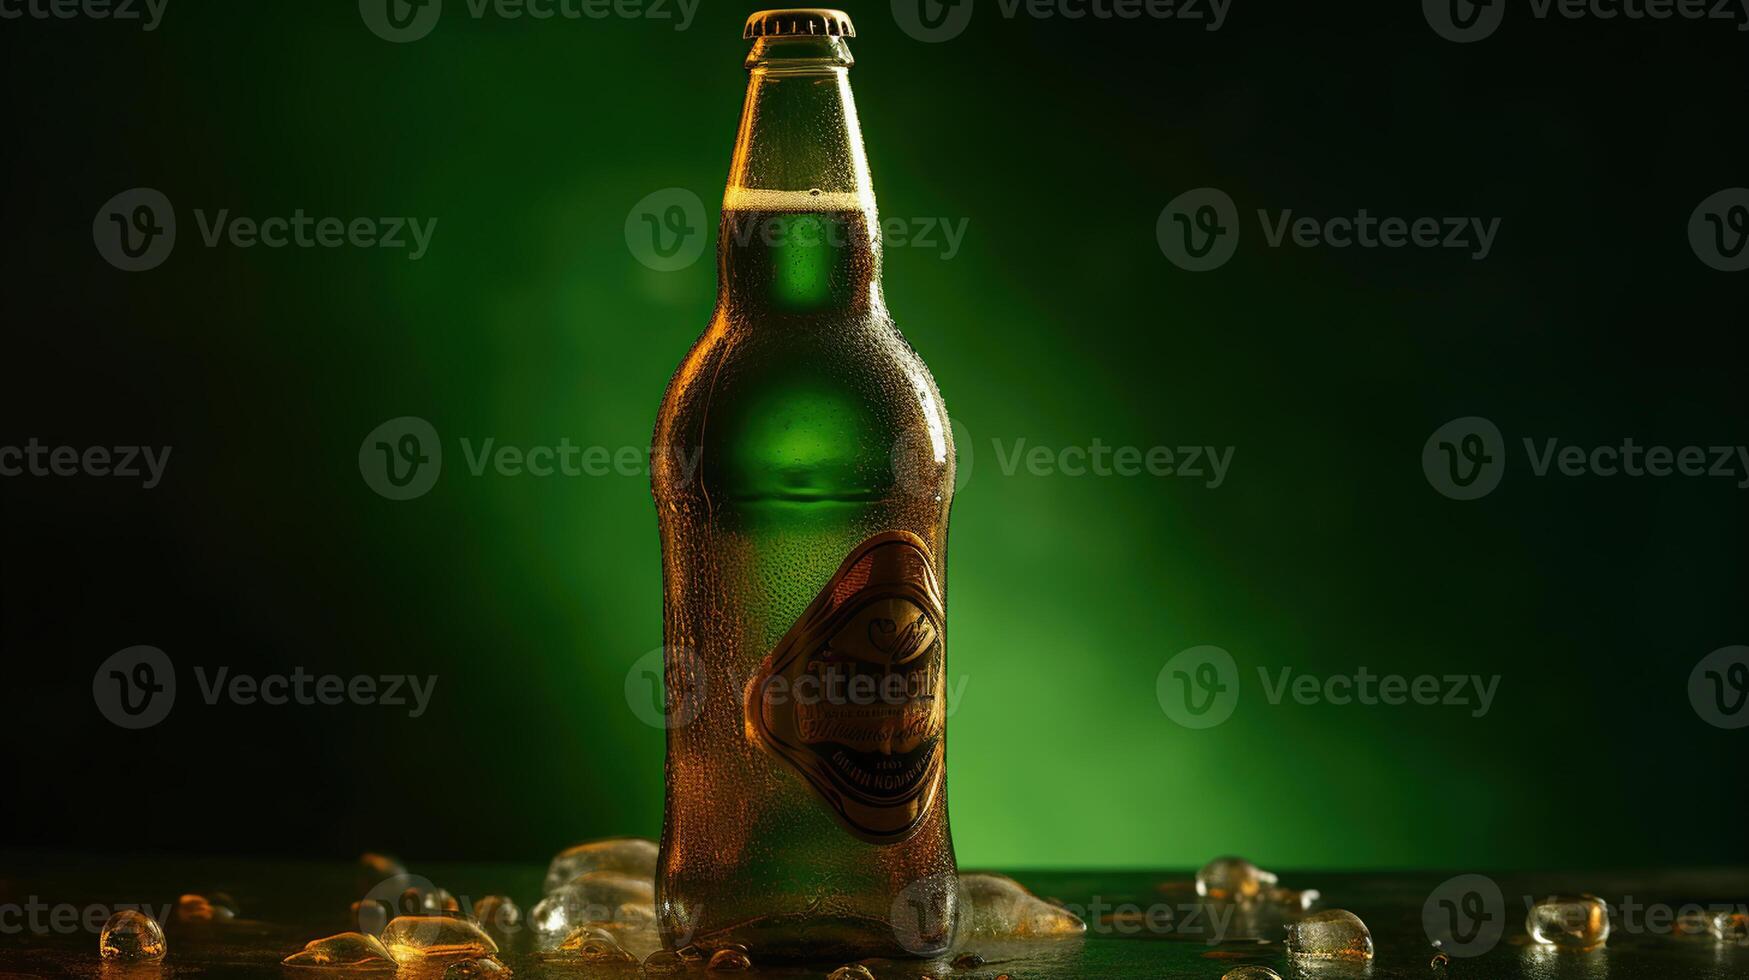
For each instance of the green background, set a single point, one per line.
(1058, 322)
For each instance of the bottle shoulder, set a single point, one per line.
(845, 410)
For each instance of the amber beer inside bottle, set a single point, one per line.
(803, 474)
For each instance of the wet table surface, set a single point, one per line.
(1141, 924)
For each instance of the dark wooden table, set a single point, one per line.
(1141, 924)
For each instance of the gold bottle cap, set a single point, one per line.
(799, 22)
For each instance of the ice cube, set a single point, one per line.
(347, 951)
(1333, 934)
(628, 855)
(1570, 921)
(131, 936)
(591, 944)
(416, 937)
(1251, 973)
(594, 897)
(731, 958)
(1233, 879)
(499, 915)
(484, 968)
(1731, 927)
(851, 971)
(194, 909)
(1001, 908)
(664, 961)
(1289, 898)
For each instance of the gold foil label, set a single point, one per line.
(854, 695)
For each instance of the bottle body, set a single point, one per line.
(803, 476)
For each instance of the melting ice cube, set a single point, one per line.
(416, 937)
(484, 968)
(1001, 908)
(627, 855)
(1251, 973)
(1232, 878)
(131, 936)
(1333, 934)
(217, 907)
(1572, 921)
(347, 951)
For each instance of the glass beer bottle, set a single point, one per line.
(803, 469)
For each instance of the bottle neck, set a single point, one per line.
(800, 232)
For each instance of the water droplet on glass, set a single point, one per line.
(1334, 934)
(627, 855)
(347, 951)
(1001, 908)
(131, 937)
(415, 937)
(1232, 878)
(731, 957)
(1570, 921)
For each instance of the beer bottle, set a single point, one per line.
(803, 470)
